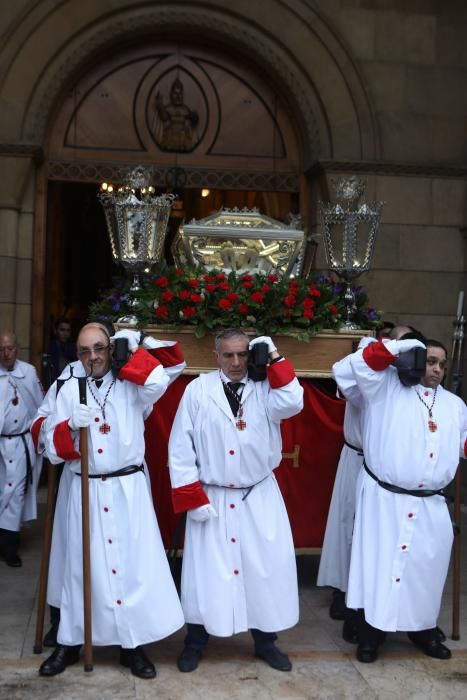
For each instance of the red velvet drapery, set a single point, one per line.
(311, 444)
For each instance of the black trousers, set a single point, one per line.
(197, 637)
(369, 636)
(9, 541)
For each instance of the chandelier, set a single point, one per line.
(350, 231)
(137, 222)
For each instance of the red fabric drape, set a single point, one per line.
(313, 439)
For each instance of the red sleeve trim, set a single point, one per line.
(35, 430)
(280, 374)
(63, 442)
(377, 357)
(188, 497)
(139, 367)
(168, 356)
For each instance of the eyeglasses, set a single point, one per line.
(85, 353)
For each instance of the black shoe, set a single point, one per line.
(12, 559)
(138, 663)
(274, 657)
(188, 659)
(440, 636)
(350, 629)
(57, 662)
(50, 639)
(338, 607)
(431, 647)
(366, 654)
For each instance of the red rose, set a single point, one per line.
(161, 282)
(224, 285)
(184, 294)
(247, 284)
(179, 271)
(265, 287)
(308, 303)
(308, 313)
(290, 300)
(207, 278)
(196, 298)
(167, 295)
(224, 303)
(247, 278)
(232, 296)
(162, 311)
(189, 311)
(193, 283)
(257, 297)
(313, 292)
(273, 278)
(211, 288)
(333, 309)
(242, 308)
(220, 276)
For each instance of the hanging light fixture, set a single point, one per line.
(137, 222)
(350, 231)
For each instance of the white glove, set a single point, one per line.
(395, 347)
(80, 417)
(150, 343)
(133, 337)
(202, 513)
(365, 341)
(263, 339)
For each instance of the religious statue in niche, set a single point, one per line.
(177, 122)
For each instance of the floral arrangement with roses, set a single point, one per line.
(213, 299)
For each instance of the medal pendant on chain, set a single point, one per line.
(14, 401)
(104, 428)
(240, 424)
(432, 427)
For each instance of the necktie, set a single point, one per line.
(233, 402)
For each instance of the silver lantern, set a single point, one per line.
(137, 222)
(350, 230)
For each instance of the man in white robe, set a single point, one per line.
(20, 395)
(169, 354)
(412, 439)
(334, 561)
(134, 600)
(239, 570)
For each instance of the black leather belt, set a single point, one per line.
(248, 489)
(28, 457)
(421, 493)
(124, 471)
(358, 450)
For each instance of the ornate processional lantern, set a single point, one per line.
(350, 231)
(137, 222)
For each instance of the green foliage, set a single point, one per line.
(211, 300)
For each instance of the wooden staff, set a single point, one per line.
(83, 447)
(454, 382)
(456, 559)
(46, 544)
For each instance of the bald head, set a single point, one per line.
(8, 349)
(94, 349)
(398, 331)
